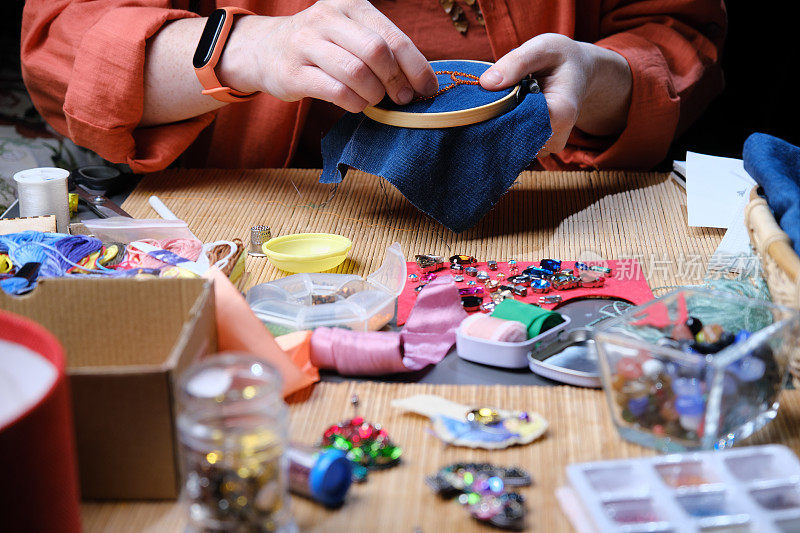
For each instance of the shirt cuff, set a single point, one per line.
(652, 117)
(104, 101)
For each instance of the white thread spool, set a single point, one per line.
(43, 191)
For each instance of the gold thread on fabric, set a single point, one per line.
(459, 78)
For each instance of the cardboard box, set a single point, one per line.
(126, 340)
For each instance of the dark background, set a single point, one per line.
(759, 59)
(761, 56)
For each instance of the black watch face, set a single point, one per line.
(205, 48)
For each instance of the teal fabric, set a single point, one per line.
(455, 175)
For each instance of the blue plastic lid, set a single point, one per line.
(331, 477)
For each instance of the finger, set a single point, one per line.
(563, 114)
(375, 53)
(349, 70)
(323, 86)
(413, 64)
(537, 54)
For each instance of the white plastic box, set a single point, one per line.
(503, 354)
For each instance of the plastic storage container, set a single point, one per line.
(674, 400)
(749, 489)
(125, 230)
(503, 354)
(232, 428)
(308, 301)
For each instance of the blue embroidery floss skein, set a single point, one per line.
(43, 255)
(72, 249)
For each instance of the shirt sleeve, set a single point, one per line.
(673, 49)
(83, 65)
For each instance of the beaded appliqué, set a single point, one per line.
(459, 78)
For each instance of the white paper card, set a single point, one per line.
(715, 187)
(734, 253)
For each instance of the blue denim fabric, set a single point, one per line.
(455, 175)
(775, 165)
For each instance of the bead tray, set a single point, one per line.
(755, 488)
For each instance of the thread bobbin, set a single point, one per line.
(43, 191)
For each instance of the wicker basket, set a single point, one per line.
(781, 264)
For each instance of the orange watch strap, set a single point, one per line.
(207, 76)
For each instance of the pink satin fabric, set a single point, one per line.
(426, 338)
(430, 330)
(357, 353)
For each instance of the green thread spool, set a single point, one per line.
(535, 319)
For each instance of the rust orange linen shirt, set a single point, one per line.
(83, 63)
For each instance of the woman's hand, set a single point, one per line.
(585, 85)
(343, 51)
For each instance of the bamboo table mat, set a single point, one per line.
(398, 500)
(566, 215)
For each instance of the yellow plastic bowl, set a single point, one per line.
(307, 252)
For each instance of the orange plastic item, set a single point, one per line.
(239, 330)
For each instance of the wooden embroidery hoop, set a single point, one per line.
(447, 119)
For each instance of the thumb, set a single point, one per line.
(534, 55)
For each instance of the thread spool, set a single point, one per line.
(357, 353)
(535, 319)
(43, 191)
(323, 475)
(494, 329)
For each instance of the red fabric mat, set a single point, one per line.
(627, 282)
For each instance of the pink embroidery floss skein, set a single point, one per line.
(187, 248)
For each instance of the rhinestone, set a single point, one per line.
(540, 285)
(522, 279)
(554, 265)
(601, 269)
(550, 299)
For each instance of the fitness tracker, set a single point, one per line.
(209, 50)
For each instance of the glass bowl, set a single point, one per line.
(667, 395)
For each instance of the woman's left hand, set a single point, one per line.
(586, 86)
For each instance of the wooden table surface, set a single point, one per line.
(548, 214)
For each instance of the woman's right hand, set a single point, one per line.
(343, 51)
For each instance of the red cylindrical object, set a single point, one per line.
(38, 462)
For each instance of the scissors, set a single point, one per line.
(92, 183)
